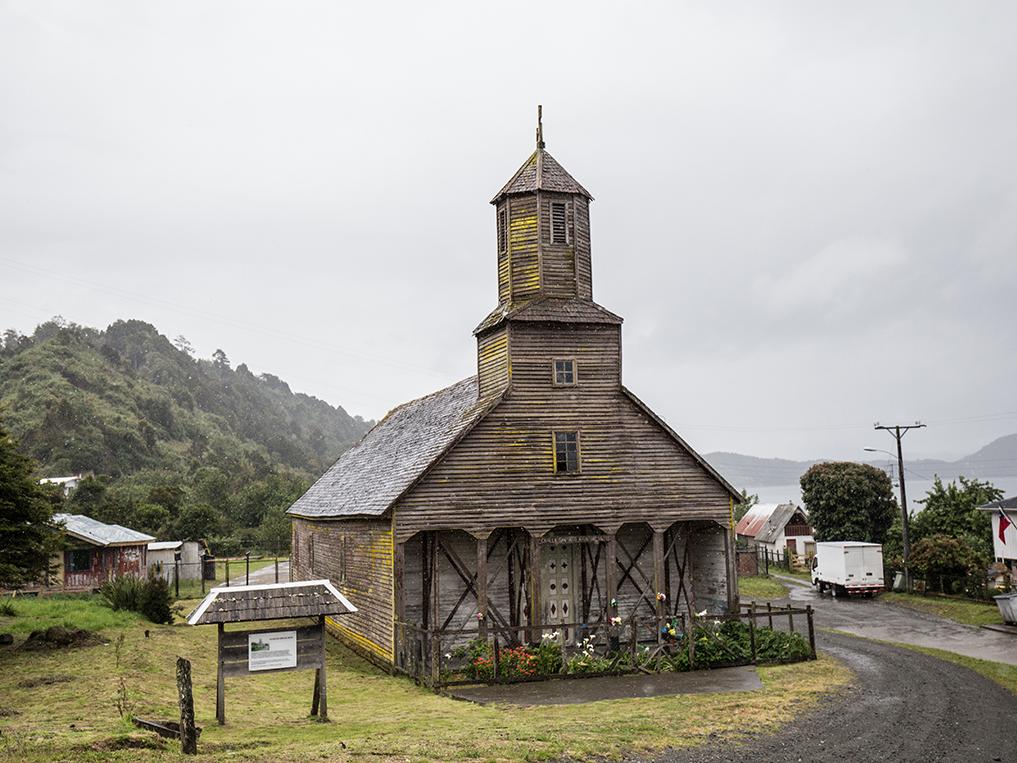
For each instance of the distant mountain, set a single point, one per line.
(123, 399)
(179, 447)
(997, 459)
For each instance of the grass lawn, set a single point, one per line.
(958, 610)
(760, 588)
(373, 714)
(71, 611)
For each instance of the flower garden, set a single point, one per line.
(714, 643)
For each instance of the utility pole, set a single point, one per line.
(898, 431)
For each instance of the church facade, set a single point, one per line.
(541, 490)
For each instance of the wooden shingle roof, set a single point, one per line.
(278, 601)
(550, 310)
(373, 474)
(541, 172)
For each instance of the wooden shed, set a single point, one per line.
(539, 491)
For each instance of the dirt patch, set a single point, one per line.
(31, 683)
(59, 637)
(126, 743)
(8, 712)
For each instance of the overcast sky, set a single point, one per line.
(806, 212)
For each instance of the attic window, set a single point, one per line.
(566, 452)
(564, 372)
(559, 223)
(502, 231)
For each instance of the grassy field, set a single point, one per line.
(958, 610)
(760, 588)
(374, 715)
(70, 611)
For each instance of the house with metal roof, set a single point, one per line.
(540, 491)
(94, 552)
(777, 527)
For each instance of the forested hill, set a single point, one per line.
(139, 410)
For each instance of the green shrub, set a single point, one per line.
(124, 592)
(7, 609)
(151, 597)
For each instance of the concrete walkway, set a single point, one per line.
(873, 618)
(581, 690)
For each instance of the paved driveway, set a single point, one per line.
(875, 619)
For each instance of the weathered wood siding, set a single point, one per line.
(557, 260)
(493, 368)
(709, 568)
(584, 263)
(107, 563)
(504, 269)
(356, 556)
(524, 255)
(501, 474)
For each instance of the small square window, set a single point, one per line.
(559, 223)
(564, 372)
(566, 452)
(79, 560)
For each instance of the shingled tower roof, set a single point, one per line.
(541, 172)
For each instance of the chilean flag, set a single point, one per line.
(1004, 522)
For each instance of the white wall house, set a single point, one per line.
(1004, 549)
(780, 527)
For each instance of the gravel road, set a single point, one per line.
(904, 706)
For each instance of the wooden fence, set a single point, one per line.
(435, 657)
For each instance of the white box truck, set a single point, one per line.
(848, 568)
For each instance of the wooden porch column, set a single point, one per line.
(536, 606)
(658, 570)
(482, 584)
(610, 572)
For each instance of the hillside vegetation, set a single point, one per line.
(179, 446)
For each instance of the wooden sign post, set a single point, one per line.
(272, 650)
(297, 648)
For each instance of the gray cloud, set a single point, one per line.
(807, 214)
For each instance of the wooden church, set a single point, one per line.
(541, 490)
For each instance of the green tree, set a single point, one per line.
(952, 511)
(28, 535)
(945, 562)
(848, 501)
(196, 522)
(274, 532)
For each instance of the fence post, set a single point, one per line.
(277, 566)
(247, 571)
(812, 633)
(497, 658)
(188, 734)
(435, 659)
(752, 631)
(227, 571)
(790, 619)
(769, 614)
(176, 573)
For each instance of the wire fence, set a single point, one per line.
(193, 579)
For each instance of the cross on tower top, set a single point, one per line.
(540, 126)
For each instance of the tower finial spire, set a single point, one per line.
(540, 126)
